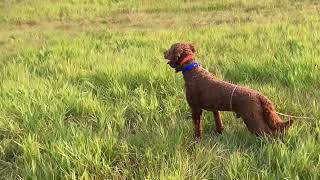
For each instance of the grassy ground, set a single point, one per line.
(86, 94)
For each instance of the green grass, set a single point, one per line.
(86, 94)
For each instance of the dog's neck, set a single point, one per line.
(191, 61)
(189, 72)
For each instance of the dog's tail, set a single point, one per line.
(271, 117)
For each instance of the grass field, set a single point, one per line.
(86, 94)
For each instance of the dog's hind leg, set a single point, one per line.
(218, 122)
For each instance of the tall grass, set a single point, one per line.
(86, 94)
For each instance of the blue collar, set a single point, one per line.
(190, 67)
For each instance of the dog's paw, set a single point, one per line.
(197, 139)
(220, 130)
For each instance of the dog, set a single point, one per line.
(206, 92)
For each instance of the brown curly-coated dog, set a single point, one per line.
(204, 91)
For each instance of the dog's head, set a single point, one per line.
(177, 52)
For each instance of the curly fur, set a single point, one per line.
(205, 92)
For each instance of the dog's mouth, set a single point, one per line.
(166, 57)
(176, 68)
(172, 64)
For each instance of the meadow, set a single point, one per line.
(85, 92)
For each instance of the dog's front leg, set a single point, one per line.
(196, 116)
(218, 122)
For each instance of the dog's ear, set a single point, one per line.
(192, 48)
(178, 50)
